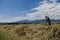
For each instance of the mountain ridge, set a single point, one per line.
(29, 21)
(36, 21)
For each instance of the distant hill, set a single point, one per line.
(52, 20)
(29, 21)
(36, 21)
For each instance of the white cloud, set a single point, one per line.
(44, 8)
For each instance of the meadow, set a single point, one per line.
(29, 32)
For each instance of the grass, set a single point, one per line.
(29, 32)
(5, 35)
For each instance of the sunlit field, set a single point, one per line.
(29, 32)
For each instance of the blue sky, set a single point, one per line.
(16, 7)
(14, 10)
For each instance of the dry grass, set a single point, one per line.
(33, 31)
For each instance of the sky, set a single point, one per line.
(16, 10)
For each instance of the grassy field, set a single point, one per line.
(29, 32)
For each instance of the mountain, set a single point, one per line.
(36, 21)
(29, 21)
(24, 21)
(52, 20)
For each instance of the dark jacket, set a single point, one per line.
(47, 19)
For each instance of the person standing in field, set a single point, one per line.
(47, 20)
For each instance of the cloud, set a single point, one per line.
(51, 9)
(54, 1)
